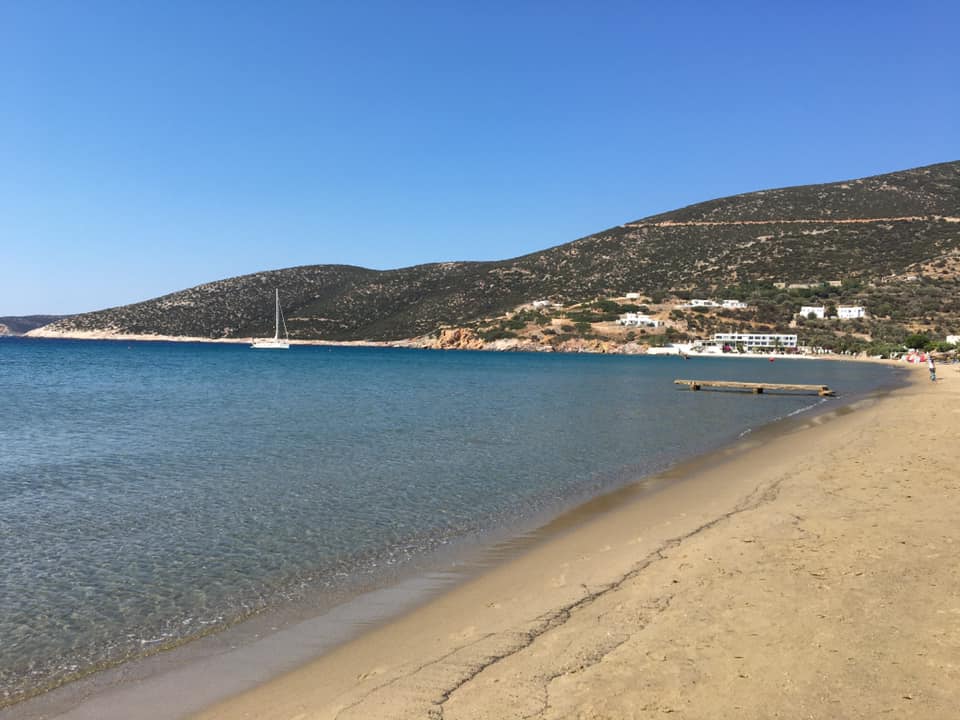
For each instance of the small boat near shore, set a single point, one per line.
(275, 343)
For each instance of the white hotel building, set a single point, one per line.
(756, 340)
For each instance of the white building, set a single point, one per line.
(638, 320)
(756, 340)
(537, 304)
(851, 312)
(632, 296)
(730, 304)
(953, 339)
(817, 310)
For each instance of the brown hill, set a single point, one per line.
(860, 229)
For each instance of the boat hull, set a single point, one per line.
(270, 345)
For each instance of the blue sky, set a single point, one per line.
(146, 147)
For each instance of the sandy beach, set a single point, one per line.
(810, 573)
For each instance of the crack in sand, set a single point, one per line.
(760, 496)
(431, 695)
(597, 657)
(418, 669)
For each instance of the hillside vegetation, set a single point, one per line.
(21, 324)
(868, 231)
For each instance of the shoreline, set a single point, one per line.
(689, 600)
(39, 334)
(419, 344)
(436, 589)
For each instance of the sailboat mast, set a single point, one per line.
(276, 322)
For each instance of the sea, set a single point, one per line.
(153, 492)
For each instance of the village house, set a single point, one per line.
(851, 312)
(638, 320)
(844, 312)
(815, 310)
(541, 304)
(728, 304)
(806, 286)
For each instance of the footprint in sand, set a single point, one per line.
(467, 632)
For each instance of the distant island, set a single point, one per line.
(784, 260)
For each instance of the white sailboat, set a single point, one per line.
(276, 343)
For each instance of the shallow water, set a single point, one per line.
(150, 492)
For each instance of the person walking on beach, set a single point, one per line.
(932, 367)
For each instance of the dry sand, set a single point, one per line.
(812, 576)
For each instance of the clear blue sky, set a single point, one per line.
(146, 147)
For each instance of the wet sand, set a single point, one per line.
(812, 575)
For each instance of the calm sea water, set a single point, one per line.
(150, 491)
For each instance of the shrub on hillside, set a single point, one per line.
(918, 341)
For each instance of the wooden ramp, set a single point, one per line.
(756, 387)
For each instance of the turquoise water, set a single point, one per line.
(150, 492)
